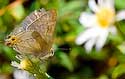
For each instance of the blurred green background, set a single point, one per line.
(70, 60)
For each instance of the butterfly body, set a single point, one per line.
(35, 34)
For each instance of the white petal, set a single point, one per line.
(101, 39)
(106, 3)
(82, 38)
(93, 6)
(101, 3)
(21, 74)
(109, 3)
(86, 35)
(120, 15)
(87, 19)
(19, 57)
(15, 64)
(113, 30)
(89, 44)
(47, 75)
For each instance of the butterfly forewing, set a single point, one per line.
(41, 21)
(26, 43)
(17, 30)
(29, 20)
(31, 42)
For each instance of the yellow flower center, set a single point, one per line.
(105, 17)
(25, 64)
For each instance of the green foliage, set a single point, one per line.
(120, 4)
(121, 48)
(65, 61)
(17, 12)
(119, 70)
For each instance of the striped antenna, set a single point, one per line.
(64, 48)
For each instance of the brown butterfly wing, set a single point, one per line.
(31, 42)
(45, 48)
(36, 33)
(43, 22)
(17, 30)
(25, 43)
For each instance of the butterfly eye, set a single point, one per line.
(13, 39)
(8, 44)
(9, 37)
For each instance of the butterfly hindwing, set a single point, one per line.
(45, 47)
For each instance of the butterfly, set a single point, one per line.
(35, 34)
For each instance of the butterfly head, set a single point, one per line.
(10, 40)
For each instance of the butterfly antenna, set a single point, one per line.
(64, 49)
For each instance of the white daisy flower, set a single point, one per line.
(98, 24)
(25, 64)
(22, 74)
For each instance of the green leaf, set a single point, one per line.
(103, 77)
(122, 48)
(120, 58)
(35, 5)
(121, 27)
(70, 7)
(6, 68)
(3, 3)
(10, 54)
(119, 70)
(17, 12)
(120, 4)
(65, 61)
(115, 39)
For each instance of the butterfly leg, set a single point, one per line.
(52, 51)
(48, 55)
